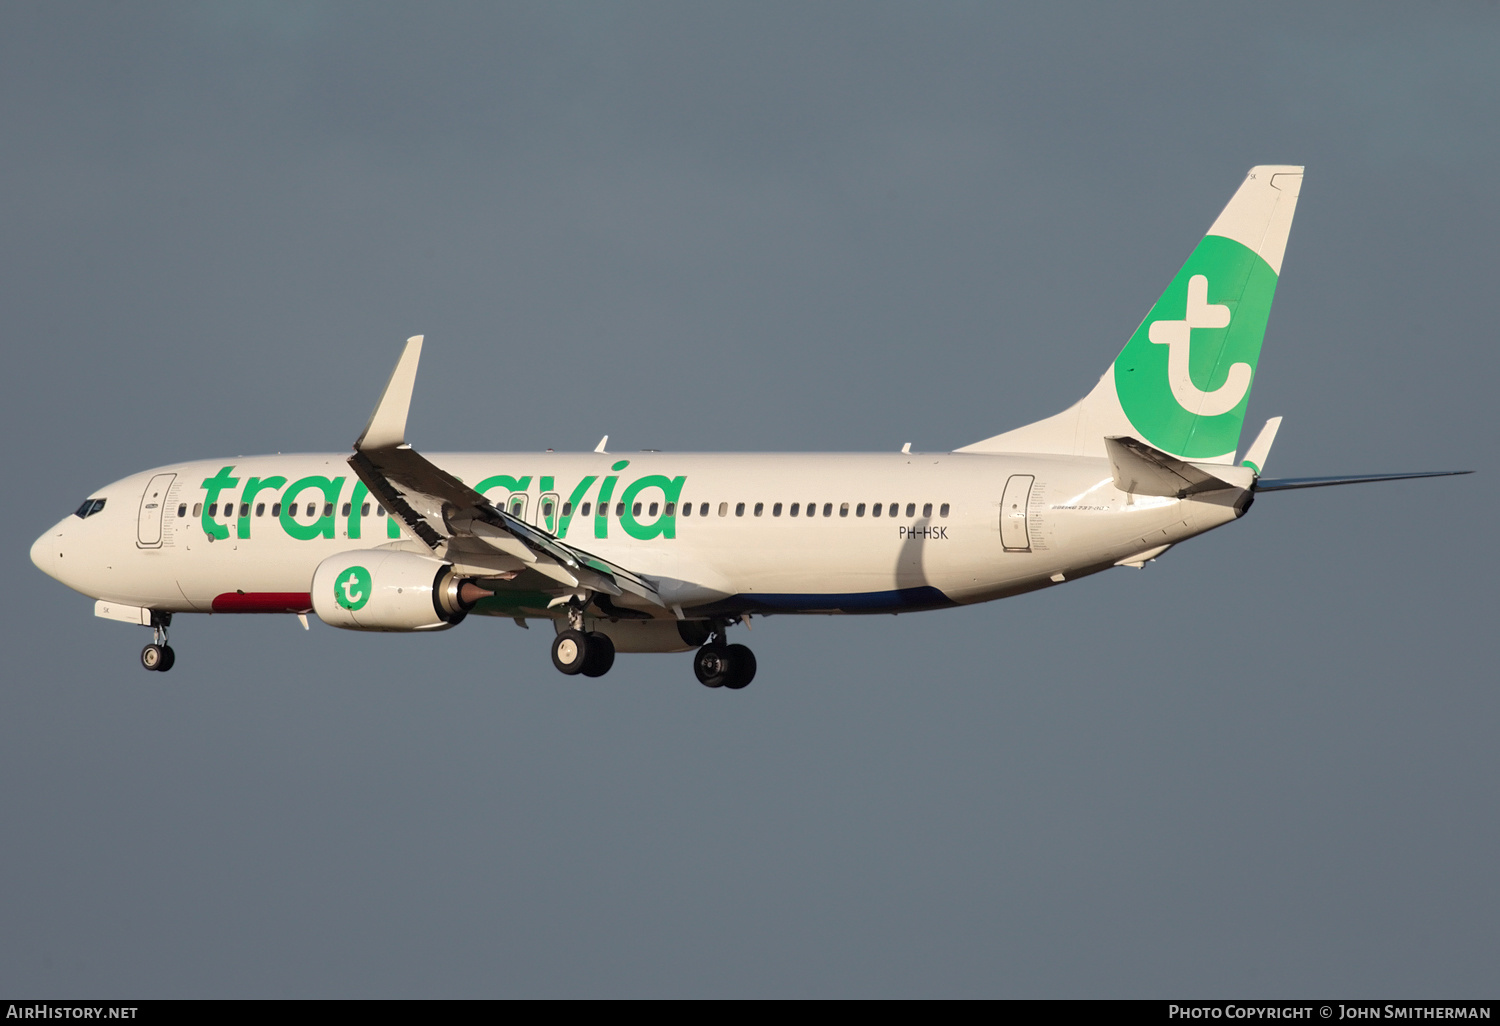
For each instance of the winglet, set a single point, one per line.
(1255, 456)
(387, 427)
(602, 443)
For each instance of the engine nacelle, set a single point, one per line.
(386, 590)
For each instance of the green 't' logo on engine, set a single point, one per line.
(1184, 377)
(352, 588)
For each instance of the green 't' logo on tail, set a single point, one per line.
(1184, 377)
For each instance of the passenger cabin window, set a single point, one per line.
(703, 509)
(843, 509)
(760, 507)
(275, 509)
(364, 509)
(671, 508)
(182, 510)
(635, 509)
(583, 510)
(260, 509)
(651, 510)
(347, 508)
(379, 511)
(776, 510)
(859, 510)
(927, 509)
(619, 509)
(547, 508)
(567, 509)
(943, 510)
(739, 509)
(197, 509)
(213, 509)
(687, 509)
(328, 509)
(875, 510)
(793, 511)
(723, 509)
(244, 509)
(911, 509)
(828, 509)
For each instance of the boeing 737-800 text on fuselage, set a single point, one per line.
(660, 552)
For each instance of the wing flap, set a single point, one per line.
(458, 523)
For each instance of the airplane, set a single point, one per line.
(665, 552)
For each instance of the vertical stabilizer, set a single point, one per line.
(1182, 382)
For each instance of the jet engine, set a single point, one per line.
(383, 590)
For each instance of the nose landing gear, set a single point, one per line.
(158, 655)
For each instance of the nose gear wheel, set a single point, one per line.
(158, 655)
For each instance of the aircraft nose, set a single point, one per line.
(45, 552)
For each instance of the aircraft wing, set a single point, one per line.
(459, 523)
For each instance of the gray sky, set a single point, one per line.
(1264, 765)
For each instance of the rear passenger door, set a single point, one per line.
(1014, 506)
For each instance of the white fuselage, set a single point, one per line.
(951, 528)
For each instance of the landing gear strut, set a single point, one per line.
(590, 654)
(158, 655)
(576, 651)
(717, 665)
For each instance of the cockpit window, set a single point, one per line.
(89, 508)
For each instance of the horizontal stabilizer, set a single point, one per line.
(1286, 484)
(1255, 456)
(1142, 470)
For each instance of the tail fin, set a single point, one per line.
(1183, 380)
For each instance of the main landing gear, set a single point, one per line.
(589, 653)
(576, 650)
(717, 665)
(158, 655)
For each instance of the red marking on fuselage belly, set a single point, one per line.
(263, 602)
